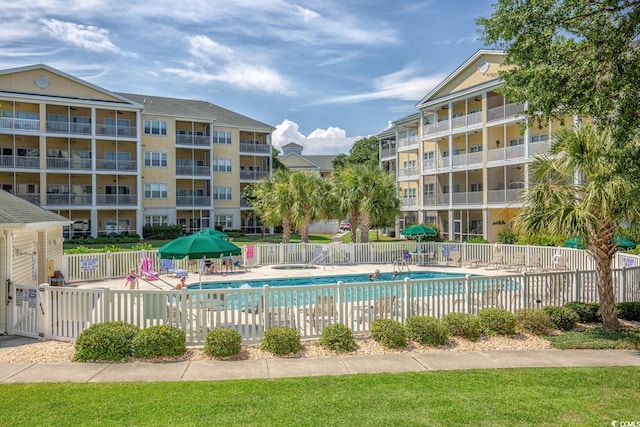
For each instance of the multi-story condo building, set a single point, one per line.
(114, 162)
(462, 161)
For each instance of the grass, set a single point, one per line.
(596, 338)
(545, 396)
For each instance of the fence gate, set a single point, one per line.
(26, 311)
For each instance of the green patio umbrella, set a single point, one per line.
(418, 230)
(621, 242)
(213, 232)
(197, 246)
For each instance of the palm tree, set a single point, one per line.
(576, 189)
(309, 191)
(273, 201)
(367, 195)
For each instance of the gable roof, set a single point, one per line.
(189, 108)
(457, 72)
(16, 211)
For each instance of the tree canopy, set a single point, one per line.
(363, 151)
(571, 57)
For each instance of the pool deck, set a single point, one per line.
(268, 272)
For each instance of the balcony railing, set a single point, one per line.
(386, 152)
(193, 140)
(408, 142)
(75, 164)
(117, 199)
(409, 202)
(408, 172)
(467, 198)
(116, 165)
(30, 197)
(193, 201)
(253, 175)
(503, 196)
(57, 126)
(442, 126)
(116, 130)
(69, 199)
(26, 162)
(254, 148)
(443, 162)
(504, 111)
(193, 170)
(22, 124)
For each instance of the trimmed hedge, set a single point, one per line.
(463, 325)
(534, 321)
(106, 341)
(338, 337)
(497, 321)
(223, 343)
(427, 330)
(281, 340)
(563, 318)
(159, 341)
(628, 311)
(587, 312)
(388, 332)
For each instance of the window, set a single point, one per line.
(540, 137)
(475, 149)
(222, 193)
(221, 137)
(155, 127)
(516, 142)
(156, 191)
(409, 193)
(430, 189)
(409, 164)
(224, 221)
(429, 155)
(221, 165)
(155, 159)
(476, 187)
(156, 220)
(445, 189)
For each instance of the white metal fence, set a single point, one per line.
(62, 313)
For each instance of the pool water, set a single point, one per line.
(326, 280)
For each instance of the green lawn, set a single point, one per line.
(506, 397)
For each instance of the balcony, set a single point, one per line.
(200, 201)
(247, 147)
(463, 160)
(115, 130)
(470, 198)
(408, 142)
(30, 125)
(69, 164)
(409, 202)
(193, 140)
(58, 126)
(74, 200)
(116, 200)
(408, 173)
(387, 151)
(116, 165)
(24, 162)
(193, 170)
(504, 111)
(30, 197)
(504, 196)
(253, 175)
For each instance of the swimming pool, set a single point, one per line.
(325, 280)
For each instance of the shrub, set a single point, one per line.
(463, 325)
(162, 232)
(427, 330)
(497, 321)
(281, 340)
(563, 318)
(338, 337)
(106, 341)
(628, 311)
(507, 236)
(223, 343)
(158, 341)
(534, 321)
(587, 312)
(388, 332)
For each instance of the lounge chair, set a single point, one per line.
(146, 269)
(535, 263)
(168, 266)
(323, 312)
(517, 263)
(560, 263)
(382, 307)
(495, 262)
(454, 258)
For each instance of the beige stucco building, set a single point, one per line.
(462, 160)
(114, 162)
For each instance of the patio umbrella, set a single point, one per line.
(197, 246)
(418, 230)
(213, 232)
(574, 242)
(621, 242)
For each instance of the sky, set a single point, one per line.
(323, 73)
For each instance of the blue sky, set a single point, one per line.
(324, 72)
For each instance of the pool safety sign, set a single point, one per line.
(26, 295)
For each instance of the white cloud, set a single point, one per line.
(85, 36)
(329, 141)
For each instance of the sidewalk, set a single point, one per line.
(209, 370)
